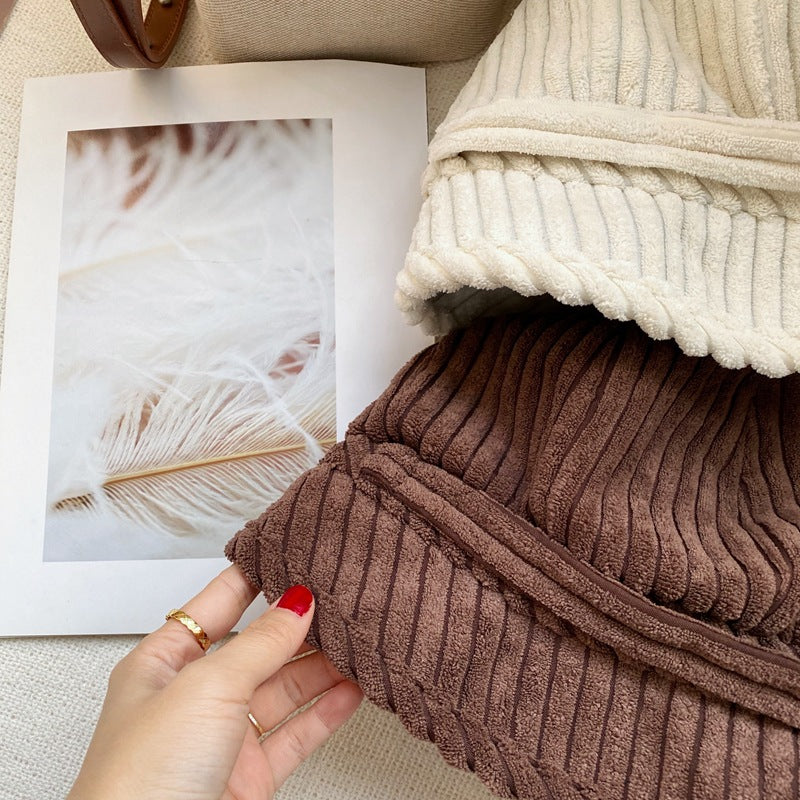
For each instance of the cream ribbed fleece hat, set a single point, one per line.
(639, 155)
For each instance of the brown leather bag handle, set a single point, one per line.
(125, 37)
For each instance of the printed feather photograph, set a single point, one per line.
(194, 363)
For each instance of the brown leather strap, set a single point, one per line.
(125, 37)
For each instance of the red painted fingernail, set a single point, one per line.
(296, 598)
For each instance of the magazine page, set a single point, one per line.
(200, 299)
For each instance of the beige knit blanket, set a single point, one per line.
(639, 155)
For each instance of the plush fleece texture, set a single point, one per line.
(568, 555)
(639, 155)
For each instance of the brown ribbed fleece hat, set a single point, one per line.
(568, 555)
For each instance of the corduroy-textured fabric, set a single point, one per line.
(640, 156)
(567, 554)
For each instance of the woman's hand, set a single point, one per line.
(175, 724)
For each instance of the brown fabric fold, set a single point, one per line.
(568, 555)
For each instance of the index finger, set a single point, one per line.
(216, 609)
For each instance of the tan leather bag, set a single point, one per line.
(398, 31)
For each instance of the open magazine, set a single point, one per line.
(200, 299)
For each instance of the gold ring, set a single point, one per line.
(261, 732)
(191, 626)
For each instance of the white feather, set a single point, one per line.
(194, 371)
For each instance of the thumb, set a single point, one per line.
(265, 645)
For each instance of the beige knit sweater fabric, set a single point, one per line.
(640, 155)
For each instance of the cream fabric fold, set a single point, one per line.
(643, 157)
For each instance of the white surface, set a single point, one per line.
(50, 703)
(379, 147)
(51, 688)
